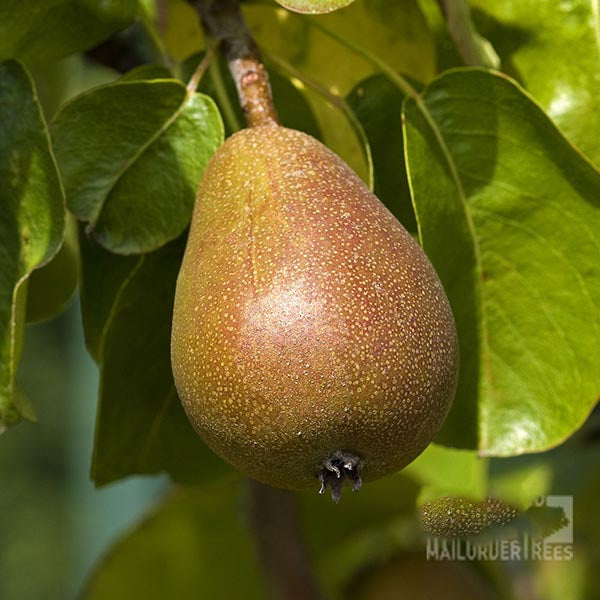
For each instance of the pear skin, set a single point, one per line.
(312, 339)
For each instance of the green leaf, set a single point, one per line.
(51, 287)
(103, 275)
(127, 305)
(131, 155)
(194, 545)
(32, 218)
(314, 7)
(449, 472)
(509, 215)
(554, 49)
(375, 102)
(42, 31)
(292, 107)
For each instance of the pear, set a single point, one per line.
(312, 339)
(411, 575)
(452, 516)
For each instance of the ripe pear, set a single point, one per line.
(460, 517)
(312, 339)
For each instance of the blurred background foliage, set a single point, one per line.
(143, 535)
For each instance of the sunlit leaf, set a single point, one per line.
(554, 49)
(32, 219)
(509, 214)
(131, 155)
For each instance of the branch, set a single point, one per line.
(282, 551)
(223, 20)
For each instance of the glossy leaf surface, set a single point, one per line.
(558, 62)
(509, 214)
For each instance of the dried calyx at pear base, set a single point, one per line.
(452, 516)
(312, 340)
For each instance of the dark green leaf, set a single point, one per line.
(50, 288)
(194, 545)
(141, 426)
(509, 215)
(554, 49)
(131, 155)
(103, 275)
(179, 31)
(35, 30)
(146, 73)
(377, 103)
(32, 218)
(474, 50)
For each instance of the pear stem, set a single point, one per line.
(223, 20)
(282, 550)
